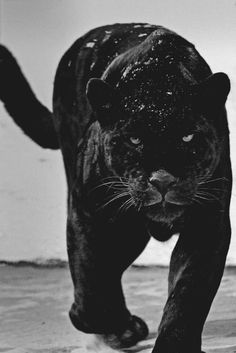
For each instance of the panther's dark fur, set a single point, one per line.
(143, 131)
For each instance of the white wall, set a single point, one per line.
(32, 183)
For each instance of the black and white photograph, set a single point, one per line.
(117, 164)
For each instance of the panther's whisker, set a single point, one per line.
(118, 192)
(126, 205)
(205, 198)
(210, 194)
(115, 198)
(211, 189)
(131, 203)
(122, 206)
(192, 198)
(116, 178)
(213, 180)
(112, 182)
(110, 185)
(207, 194)
(195, 199)
(139, 206)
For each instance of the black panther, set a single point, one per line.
(141, 123)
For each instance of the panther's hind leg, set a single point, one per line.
(98, 257)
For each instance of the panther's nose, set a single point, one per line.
(162, 180)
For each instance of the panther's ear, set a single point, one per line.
(100, 94)
(212, 93)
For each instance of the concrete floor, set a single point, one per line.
(34, 304)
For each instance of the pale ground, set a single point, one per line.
(34, 303)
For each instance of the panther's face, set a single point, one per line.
(160, 170)
(161, 161)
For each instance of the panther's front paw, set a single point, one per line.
(135, 331)
(177, 341)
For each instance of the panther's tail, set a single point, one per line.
(23, 106)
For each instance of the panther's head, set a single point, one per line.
(161, 153)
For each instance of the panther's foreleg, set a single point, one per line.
(98, 255)
(196, 269)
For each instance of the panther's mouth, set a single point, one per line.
(164, 212)
(164, 208)
(170, 197)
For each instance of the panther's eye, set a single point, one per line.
(188, 138)
(135, 140)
